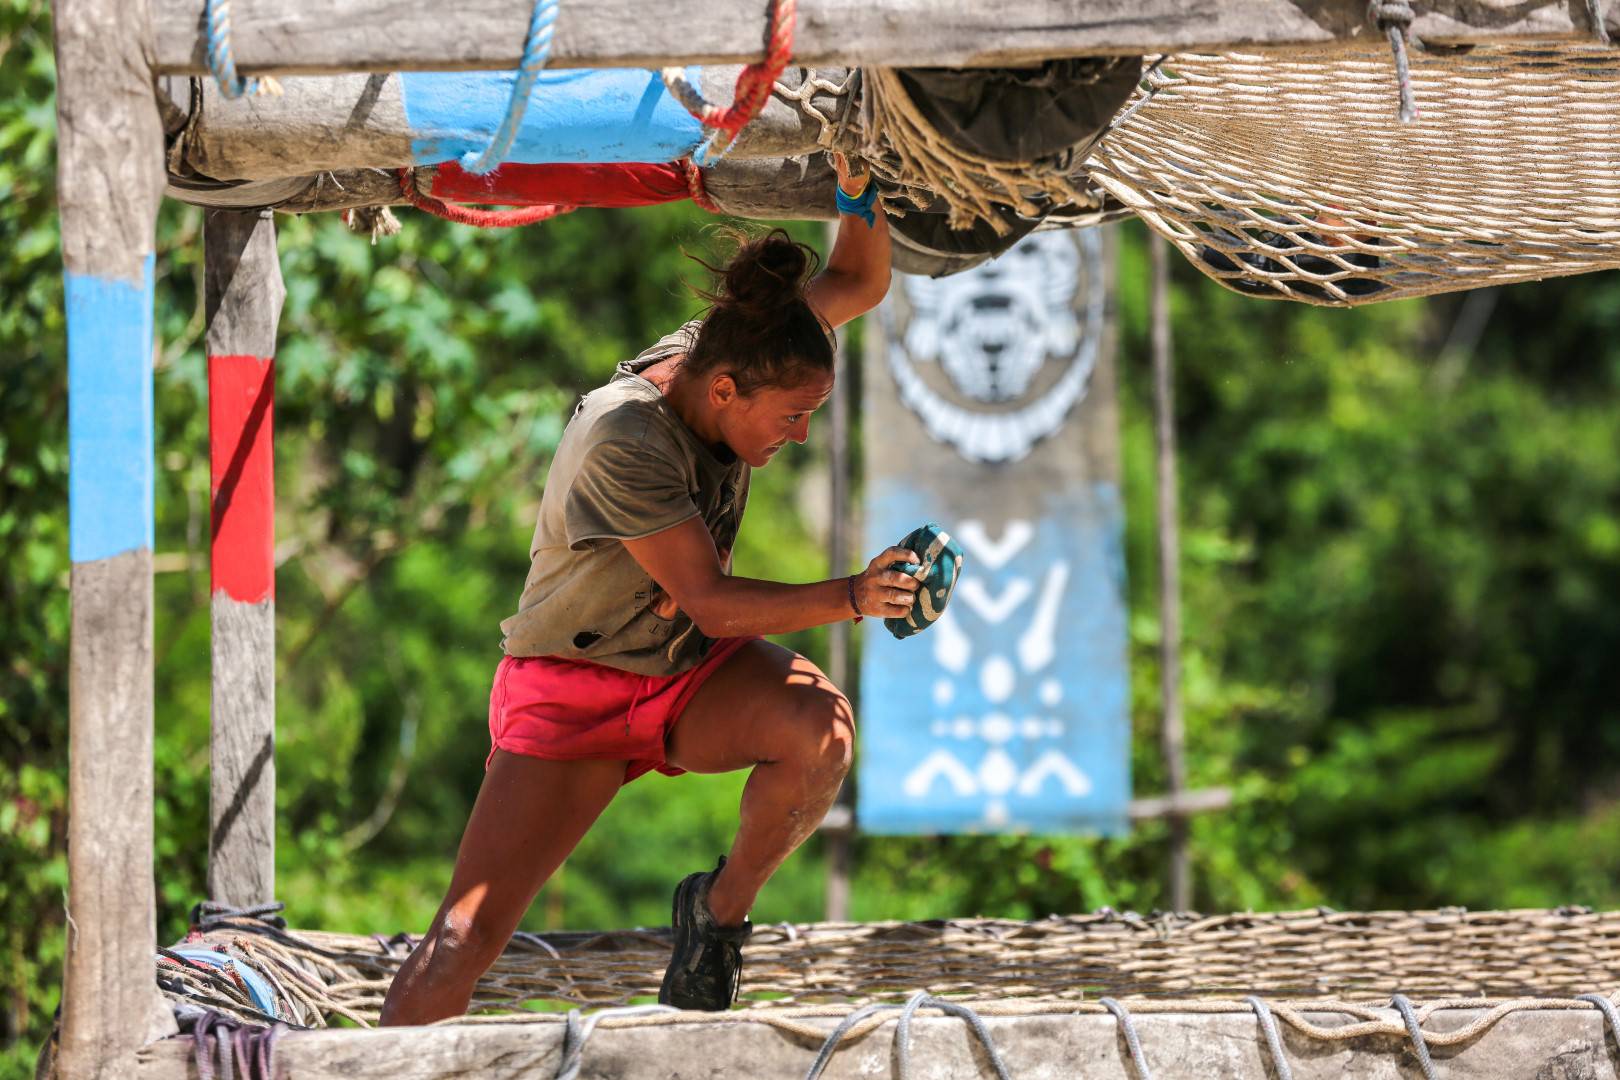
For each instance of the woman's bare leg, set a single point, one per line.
(529, 815)
(771, 710)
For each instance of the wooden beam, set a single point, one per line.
(763, 189)
(109, 184)
(244, 298)
(348, 122)
(1200, 801)
(1177, 1045)
(328, 36)
(1169, 536)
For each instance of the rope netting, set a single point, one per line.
(1177, 960)
(1289, 176)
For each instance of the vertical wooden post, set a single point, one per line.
(1164, 415)
(244, 297)
(841, 838)
(109, 184)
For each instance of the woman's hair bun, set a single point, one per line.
(760, 326)
(766, 275)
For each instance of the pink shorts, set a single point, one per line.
(572, 710)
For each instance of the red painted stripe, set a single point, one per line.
(241, 412)
(614, 184)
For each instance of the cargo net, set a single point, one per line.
(257, 971)
(1290, 177)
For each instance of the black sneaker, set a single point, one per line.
(706, 964)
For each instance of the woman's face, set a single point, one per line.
(757, 425)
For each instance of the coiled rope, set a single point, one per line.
(754, 85)
(222, 62)
(536, 51)
(467, 215)
(698, 189)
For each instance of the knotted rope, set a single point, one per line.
(375, 221)
(536, 51)
(222, 1042)
(211, 914)
(754, 85)
(467, 215)
(695, 185)
(1394, 18)
(221, 62)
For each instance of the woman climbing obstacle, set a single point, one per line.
(634, 648)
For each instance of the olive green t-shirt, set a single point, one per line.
(627, 467)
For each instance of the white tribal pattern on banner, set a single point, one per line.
(1011, 712)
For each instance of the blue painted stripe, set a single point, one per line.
(616, 114)
(109, 327)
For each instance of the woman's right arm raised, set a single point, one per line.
(683, 561)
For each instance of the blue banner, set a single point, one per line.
(990, 409)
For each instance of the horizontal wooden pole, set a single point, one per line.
(350, 122)
(1182, 1045)
(1180, 805)
(330, 36)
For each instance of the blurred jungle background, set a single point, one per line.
(1401, 562)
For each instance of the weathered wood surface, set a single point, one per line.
(346, 122)
(1166, 515)
(244, 294)
(1550, 1045)
(110, 1005)
(109, 184)
(774, 190)
(325, 36)
(242, 282)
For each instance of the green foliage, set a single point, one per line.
(1399, 564)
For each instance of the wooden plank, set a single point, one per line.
(109, 183)
(244, 297)
(1183, 1045)
(325, 36)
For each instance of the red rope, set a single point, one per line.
(700, 191)
(756, 80)
(467, 215)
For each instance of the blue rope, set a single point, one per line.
(536, 51)
(217, 15)
(706, 156)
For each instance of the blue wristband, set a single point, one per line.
(860, 205)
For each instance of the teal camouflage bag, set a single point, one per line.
(940, 568)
